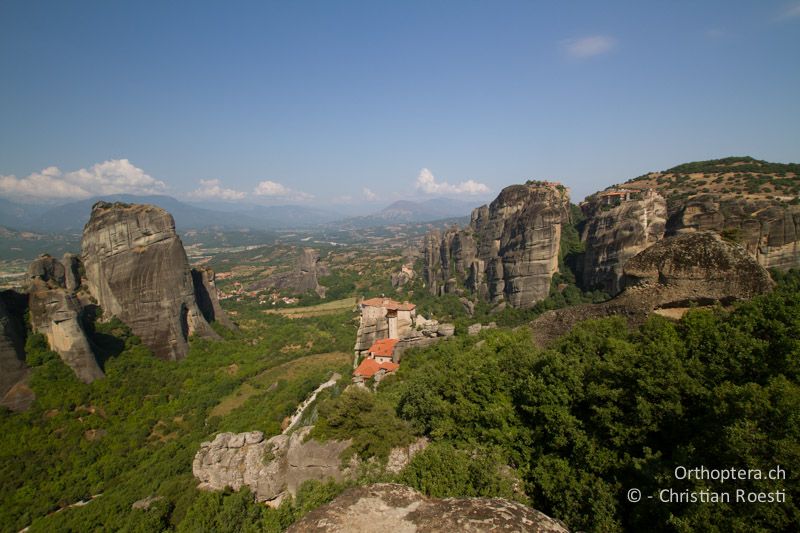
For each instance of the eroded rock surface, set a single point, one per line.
(768, 229)
(509, 251)
(137, 270)
(14, 393)
(388, 507)
(303, 278)
(676, 272)
(57, 314)
(205, 292)
(272, 468)
(615, 233)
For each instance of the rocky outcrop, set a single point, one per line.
(273, 469)
(137, 270)
(508, 253)
(56, 313)
(695, 268)
(397, 508)
(14, 393)
(205, 293)
(302, 279)
(615, 232)
(768, 229)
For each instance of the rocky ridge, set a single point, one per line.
(695, 268)
(508, 253)
(401, 509)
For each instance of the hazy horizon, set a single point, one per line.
(356, 104)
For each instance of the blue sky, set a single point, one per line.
(347, 104)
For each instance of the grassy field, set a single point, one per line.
(267, 382)
(328, 308)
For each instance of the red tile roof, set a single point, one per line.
(370, 367)
(383, 347)
(390, 304)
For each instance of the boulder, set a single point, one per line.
(137, 270)
(397, 508)
(446, 330)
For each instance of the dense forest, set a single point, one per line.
(568, 430)
(572, 428)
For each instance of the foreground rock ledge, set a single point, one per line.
(388, 507)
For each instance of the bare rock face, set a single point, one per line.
(205, 292)
(272, 468)
(675, 272)
(508, 253)
(303, 278)
(14, 394)
(137, 270)
(615, 233)
(769, 230)
(401, 509)
(57, 314)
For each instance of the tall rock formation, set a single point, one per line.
(13, 370)
(618, 226)
(205, 292)
(56, 313)
(137, 270)
(508, 253)
(304, 277)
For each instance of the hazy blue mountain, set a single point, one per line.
(408, 211)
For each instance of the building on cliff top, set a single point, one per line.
(378, 362)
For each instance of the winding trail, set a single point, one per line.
(298, 414)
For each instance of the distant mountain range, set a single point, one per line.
(71, 217)
(406, 211)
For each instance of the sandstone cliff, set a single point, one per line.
(56, 313)
(273, 469)
(752, 202)
(13, 370)
(614, 233)
(397, 508)
(137, 270)
(303, 278)
(768, 229)
(205, 292)
(675, 272)
(508, 253)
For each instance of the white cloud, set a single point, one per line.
(426, 182)
(115, 176)
(590, 46)
(789, 12)
(211, 190)
(368, 194)
(278, 190)
(271, 188)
